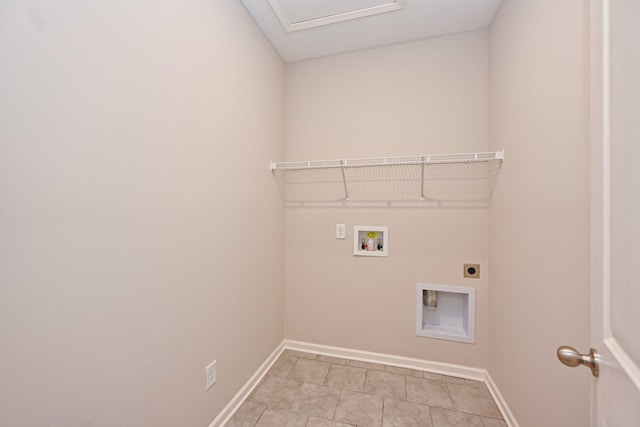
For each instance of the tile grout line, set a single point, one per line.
(336, 410)
(261, 415)
(406, 389)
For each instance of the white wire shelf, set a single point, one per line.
(464, 177)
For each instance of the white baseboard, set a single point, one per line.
(502, 404)
(225, 415)
(364, 356)
(388, 359)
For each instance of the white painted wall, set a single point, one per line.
(540, 212)
(425, 97)
(141, 236)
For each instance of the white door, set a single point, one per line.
(616, 211)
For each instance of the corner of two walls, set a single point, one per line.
(424, 97)
(142, 236)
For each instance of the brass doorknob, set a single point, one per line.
(571, 357)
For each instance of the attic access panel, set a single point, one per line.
(297, 15)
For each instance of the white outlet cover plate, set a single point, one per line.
(341, 231)
(210, 375)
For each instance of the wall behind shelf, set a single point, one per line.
(429, 96)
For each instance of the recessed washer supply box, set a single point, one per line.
(452, 315)
(370, 240)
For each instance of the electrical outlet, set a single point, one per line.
(472, 271)
(210, 375)
(341, 231)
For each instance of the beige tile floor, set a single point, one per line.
(308, 390)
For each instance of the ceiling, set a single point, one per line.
(304, 29)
